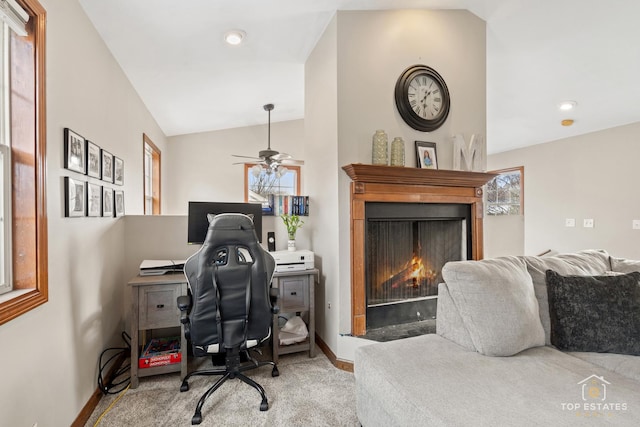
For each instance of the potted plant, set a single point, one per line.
(292, 222)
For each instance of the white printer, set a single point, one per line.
(293, 260)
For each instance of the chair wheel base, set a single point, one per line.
(275, 372)
(264, 405)
(184, 386)
(197, 419)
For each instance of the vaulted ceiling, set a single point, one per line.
(539, 53)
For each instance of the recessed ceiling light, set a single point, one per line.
(567, 105)
(234, 37)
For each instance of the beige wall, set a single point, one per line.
(49, 362)
(588, 176)
(322, 170)
(369, 50)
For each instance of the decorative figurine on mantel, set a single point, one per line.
(292, 222)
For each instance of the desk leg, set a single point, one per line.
(312, 316)
(135, 348)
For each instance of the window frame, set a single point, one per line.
(28, 153)
(507, 171)
(155, 177)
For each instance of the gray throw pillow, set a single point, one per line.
(595, 313)
(496, 303)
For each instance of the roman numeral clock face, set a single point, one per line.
(422, 98)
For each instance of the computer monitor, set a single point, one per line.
(198, 222)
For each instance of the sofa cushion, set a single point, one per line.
(621, 265)
(623, 364)
(587, 263)
(449, 324)
(496, 302)
(595, 313)
(431, 381)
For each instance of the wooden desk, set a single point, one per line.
(154, 306)
(296, 295)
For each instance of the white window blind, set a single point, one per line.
(14, 16)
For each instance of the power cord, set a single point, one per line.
(115, 385)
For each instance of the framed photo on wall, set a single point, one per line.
(74, 193)
(118, 170)
(94, 199)
(426, 156)
(93, 160)
(107, 166)
(107, 202)
(74, 151)
(118, 202)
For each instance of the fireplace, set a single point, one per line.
(406, 246)
(451, 202)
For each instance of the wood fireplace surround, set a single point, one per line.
(392, 184)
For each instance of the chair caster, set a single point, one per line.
(197, 418)
(275, 372)
(264, 405)
(184, 386)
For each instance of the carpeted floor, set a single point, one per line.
(308, 392)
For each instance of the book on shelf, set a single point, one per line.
(291, 205)
(160, 352)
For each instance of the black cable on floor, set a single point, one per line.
(115, 386)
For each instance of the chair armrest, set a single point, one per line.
(274, 293)
(184, 304)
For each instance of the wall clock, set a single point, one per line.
(422, 98)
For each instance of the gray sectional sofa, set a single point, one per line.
(492, 361)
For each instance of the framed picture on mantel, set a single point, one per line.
(426, 156)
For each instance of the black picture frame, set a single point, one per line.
(107, 165)
(426, 155)
(118, 170)
(118, 203)
(107, 202)
(74, 151)
(74, 197)
(94, 199)
(94, 160)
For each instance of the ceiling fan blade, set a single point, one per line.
(292, 162)
(248, 157)
(281, 156)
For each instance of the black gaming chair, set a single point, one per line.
(231, 304)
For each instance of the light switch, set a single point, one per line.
(570, 222)
(636, 224)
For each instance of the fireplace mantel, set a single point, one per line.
(359, 172)
(393, 184)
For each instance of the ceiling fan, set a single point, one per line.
(270, 160)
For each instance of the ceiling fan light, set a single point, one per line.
(256, 170)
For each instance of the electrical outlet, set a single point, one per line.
(570, 222)
(328, 306)
(588, 223)
(635, 224)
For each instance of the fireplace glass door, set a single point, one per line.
(406, 246)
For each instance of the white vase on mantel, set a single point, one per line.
(291, 244)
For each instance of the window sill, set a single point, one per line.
(13, 294)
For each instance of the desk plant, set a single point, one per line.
(292, 222)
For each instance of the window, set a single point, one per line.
(151, 177)
(505, 192)
(259, 183)
(23, 228)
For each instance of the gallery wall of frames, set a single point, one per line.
(93, 191)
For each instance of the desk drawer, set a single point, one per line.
(294, 294)
(158, 307)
